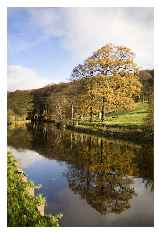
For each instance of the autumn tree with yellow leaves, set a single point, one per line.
(109, 80)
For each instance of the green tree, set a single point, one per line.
(20, 103)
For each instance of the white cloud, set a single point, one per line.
(24, 78)
(85, 29)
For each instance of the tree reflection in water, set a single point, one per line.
(105, 192)
(100, 170)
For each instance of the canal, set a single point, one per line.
(91, 180)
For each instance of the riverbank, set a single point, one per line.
(23, 207)
(130, 125)
(125, 125)
(125, 133)
(18, 123)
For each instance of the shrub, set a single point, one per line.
(22, 206)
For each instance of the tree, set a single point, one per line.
(86, 100)
(147, 79)
(58, 106)
(20, 103)
(110, 78)
(108, 61)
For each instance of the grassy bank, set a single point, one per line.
(125, 125)
(145, 135)
(134, 118)
(23, 206)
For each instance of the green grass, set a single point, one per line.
(135, 117)
(131, 120)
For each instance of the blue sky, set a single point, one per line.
(44, 44)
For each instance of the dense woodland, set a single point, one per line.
(108, 81)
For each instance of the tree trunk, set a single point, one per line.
(101, 152)
(71, 142)
(91, 114)
(143, 99)
(72, 112)
(103, 112)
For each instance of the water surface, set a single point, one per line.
(93, 181)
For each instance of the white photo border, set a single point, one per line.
(4, 4)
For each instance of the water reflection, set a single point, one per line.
(102, 171)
